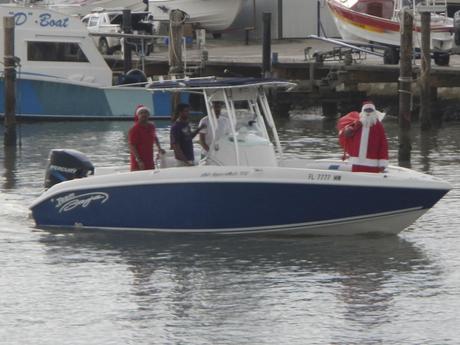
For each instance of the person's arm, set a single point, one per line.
(196, 131)
(351, 129)
(203, 142)
(156, 141)
(137, 157)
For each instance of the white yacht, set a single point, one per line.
(63, 75)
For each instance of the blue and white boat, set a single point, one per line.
(62, 75)
(245, 185)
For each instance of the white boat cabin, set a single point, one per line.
(54, 47)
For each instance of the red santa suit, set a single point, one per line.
(143, 137)
(365, 141)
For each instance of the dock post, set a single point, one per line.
(9, 77)
(318, 15)
(176, 34)
(127, 49)
(405, 86)
(425, 77)
(267, 45)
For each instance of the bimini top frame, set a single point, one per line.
(229, 91)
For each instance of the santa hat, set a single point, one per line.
(138, 110)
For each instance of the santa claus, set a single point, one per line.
(363, 139)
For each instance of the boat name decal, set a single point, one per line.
(44, 20)
(324, 177)
(47, 20)
(226, 174)
(72, 201)
(19, 18)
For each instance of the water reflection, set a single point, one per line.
(428, 144)
(218, 279)
(9, 164)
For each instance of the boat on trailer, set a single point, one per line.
(378, 21)
(84, 7)
(216, 15)
(245, 185)
(62, 75)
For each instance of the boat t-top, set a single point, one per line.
(245, 185)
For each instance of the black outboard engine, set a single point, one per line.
(65, 165)
(457, 27)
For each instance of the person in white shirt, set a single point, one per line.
(206, 133)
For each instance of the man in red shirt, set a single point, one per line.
(365, 141)
(141, 138)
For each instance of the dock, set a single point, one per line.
(337, 82)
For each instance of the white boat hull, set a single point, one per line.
(84, 7)
(213, 15)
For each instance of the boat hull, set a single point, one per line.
(213, 15)
(237, 201)
(361, 27)
(44, 99)
(83, 7)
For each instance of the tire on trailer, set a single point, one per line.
(391, 56)
(441, 59)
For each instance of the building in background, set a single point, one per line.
(290, 18)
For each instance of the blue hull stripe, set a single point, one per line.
(201, 206)
(54, 100)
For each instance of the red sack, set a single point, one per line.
(351, 119)
(347, 120)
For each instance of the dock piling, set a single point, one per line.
(176, 34)
(267, 45)
(405, 89)
(425, 72)
(9, 77)
(127, 49)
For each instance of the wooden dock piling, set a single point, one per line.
(176, 35)
(267, 45)
(425, 72)
(127, 48)
(405, 89)
(9, 77)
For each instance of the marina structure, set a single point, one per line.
(291, 18)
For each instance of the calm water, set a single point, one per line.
(98, 288)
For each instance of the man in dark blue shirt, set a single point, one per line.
(182, 136)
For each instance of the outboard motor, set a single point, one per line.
(65, 165)
(457, 27)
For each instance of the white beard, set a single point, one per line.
(368, 120)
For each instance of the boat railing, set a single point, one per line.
(433, 6)
(142, 41)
